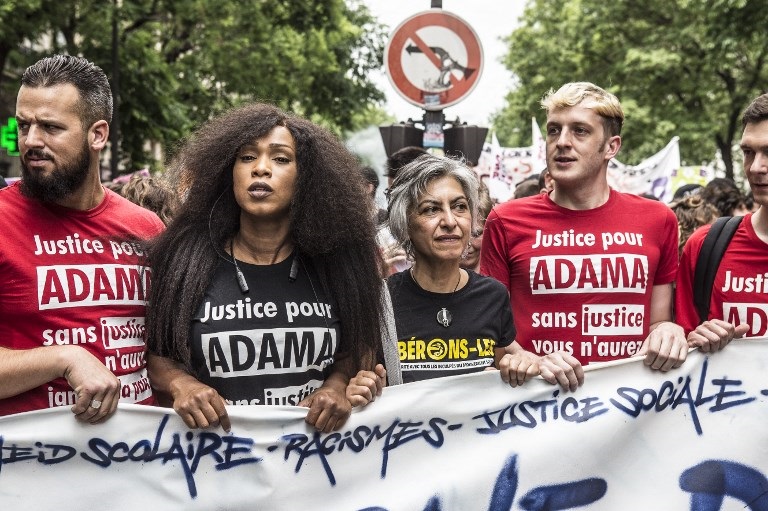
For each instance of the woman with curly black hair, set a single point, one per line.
(266, 285)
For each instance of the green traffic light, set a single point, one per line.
(9, 137)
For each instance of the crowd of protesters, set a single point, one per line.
(274, 241)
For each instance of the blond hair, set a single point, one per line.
(588, 95)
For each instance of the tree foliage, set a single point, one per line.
(679, 67)
(180, 61)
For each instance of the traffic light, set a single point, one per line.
(397, 136)
(466, 141)
(460, 140)
(9, 137)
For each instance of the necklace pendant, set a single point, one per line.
(444, 317)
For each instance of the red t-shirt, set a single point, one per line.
(581, 281)
(740, 290)
(67, 277)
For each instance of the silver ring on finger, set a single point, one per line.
(95, 404)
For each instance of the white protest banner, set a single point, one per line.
(629, 439)
(696, 174)
(652, 175)
(538, 148)
(502, 168)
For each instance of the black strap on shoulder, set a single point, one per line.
(712, 250)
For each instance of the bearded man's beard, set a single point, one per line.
(58, 184)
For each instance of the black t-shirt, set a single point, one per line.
(481, 320)
(272, 345)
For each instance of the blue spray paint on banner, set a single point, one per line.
(530, 414)
(505, 488)
(711, 481)
(633, 402)
(226, 452)
(397, 434)
(542, 498)
(564, 496)
(46, 454)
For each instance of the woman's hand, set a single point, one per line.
(328, 406)
(518, 367)
(199, 405)
(363, 388)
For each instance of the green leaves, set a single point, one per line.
(181, 61)
(679, 67)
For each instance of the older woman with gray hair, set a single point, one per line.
(449, 320)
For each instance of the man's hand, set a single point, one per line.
(715, 334)
(97, 390)
(665, 347)
(561, 368)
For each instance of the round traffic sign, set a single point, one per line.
(434, 59)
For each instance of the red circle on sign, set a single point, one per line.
(462, 76)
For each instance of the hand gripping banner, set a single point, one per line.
(631, 438)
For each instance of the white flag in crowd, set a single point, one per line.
(539, 147)
(502, 168)
(653, 175)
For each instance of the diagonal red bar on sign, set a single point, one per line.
(426, 50)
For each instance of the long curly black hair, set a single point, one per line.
(330, 225)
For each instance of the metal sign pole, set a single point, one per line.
(434, 59)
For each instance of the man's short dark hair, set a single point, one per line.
(88, 78)
(756, 112)
(527, 188)
(542, 181)
(370, 176)
(724, 194)
(687, 190)
(401, 158)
